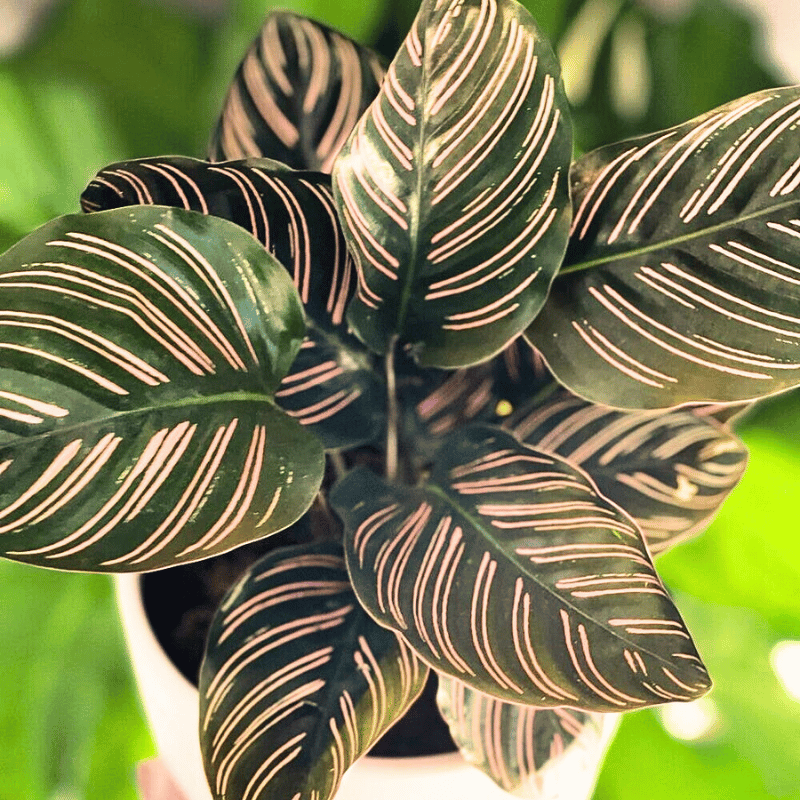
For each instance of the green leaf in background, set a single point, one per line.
(636, 67)
(316, 680)
(456, 245)
(139, 428)
(62, 713)
(510, 572)
(680, 281)
(296, 96)
(754, 749)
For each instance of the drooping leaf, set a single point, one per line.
(534, 752)
(331, 386)
(681, 282)
(452, 189)
(297, 681)
(296, 95)
(141, 349)
(670, 471)
(509, 571)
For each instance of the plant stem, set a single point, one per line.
(391, 414)
(338, 464)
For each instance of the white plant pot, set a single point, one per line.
(171, 706)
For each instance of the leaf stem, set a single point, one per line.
(392, 415)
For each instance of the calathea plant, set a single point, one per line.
(225, 349)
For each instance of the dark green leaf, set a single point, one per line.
(297, 682)
(452, 189)
(533, 752)
(291, 213)
(681, 283)
(141, 351)
(670, 471)
(331, 386)
(509, 571)
(297, 95)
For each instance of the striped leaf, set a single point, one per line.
(141, 349)
(452, 189)
(509, 571)
(290, 212)
(296, 95)
(682, 278)
(533, 752)
(670, 471)
(297, 681)
(331, 387)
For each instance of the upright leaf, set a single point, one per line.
(682, 278)
(331, 386)
(509, 571)
(141, 349)
(296, 95)
(533, 752)
(297, 681)
(452, 188)
(670, 471)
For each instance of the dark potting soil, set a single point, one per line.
(180, 603)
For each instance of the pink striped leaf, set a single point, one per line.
(297, 680)
(332, 386)
(671, 471)
(453, 187)
(681, 282)
(532, 752)
(296, 96)
(508, 570)
(141, 351)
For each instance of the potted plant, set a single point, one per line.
(478, 385)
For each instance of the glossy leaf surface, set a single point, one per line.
(670, 471)
(331, 386)
(682, 278)
(452, 188)
(296, 95)
(290, 212)
(509, 571)
(534, 752)
(297, 682)
(141, 349)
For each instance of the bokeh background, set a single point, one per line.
(87, 82)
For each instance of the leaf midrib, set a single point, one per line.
(451, 501)
(730, 224)
(415, 200)
(200, 400)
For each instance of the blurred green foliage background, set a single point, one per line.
(105, 80)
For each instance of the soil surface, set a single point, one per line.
(180, 603)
